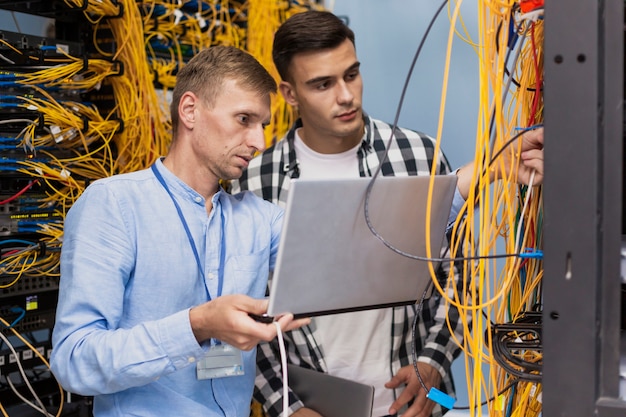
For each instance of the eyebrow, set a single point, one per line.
(318, 80)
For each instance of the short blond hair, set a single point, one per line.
(205, 73)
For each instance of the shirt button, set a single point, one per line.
(191, 360)
(211, 275)
(198, 199)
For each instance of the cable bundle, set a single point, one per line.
(264, 18)
(502, 351)
(73, 112)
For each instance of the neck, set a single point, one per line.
(197, 178)
(330, 144)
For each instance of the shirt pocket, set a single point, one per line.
(249, 273)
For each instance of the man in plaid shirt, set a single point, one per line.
(315, 55)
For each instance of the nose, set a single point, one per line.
(344, 94)
(256, 138)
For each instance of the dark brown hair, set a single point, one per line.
(304, 32)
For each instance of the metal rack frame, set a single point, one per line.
(584, 76)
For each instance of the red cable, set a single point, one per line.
(19, 193)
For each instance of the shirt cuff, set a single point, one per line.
(430, 361)
(178, 340)
(457, 204)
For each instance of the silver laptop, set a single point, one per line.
(329, 261)
(329, 395)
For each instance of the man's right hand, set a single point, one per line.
(226, 318)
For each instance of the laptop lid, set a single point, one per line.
(329, 395)
(329, 261)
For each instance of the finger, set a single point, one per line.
(264, 331)
(532, 154)
(393, 382)
(296, 324)
(423, 406)
(286, 322)
(534, 138)
(249, 338)
(404, 398)
(534, 164)
(398, 379)
(257, 305)
(420, 408)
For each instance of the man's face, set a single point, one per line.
(327, 88)
(228, 134)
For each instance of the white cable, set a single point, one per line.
(521, 217)
(533, 15)
(25, 400)
(5, 121)
(283, 363)
(4, 58)
(41, 408)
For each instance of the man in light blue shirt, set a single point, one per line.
(160, 267)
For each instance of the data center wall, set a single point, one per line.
(84, 94)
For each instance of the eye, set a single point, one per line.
(352, 75)
(243, 118)
(323, 85)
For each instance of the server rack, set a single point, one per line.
(584, 76)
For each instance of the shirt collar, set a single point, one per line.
(180, 188)
(289, 152)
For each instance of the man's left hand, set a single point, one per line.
(422, 406)
(531, 158)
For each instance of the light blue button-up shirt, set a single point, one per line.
(128, 280)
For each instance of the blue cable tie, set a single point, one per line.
(441, 398)
(537, 126)
(531, 253)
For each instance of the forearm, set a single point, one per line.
(445, 335)
(457, 205)
(90, 360)
(440, 347)
(464, 179)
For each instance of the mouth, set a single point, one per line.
(349, 115)
(245, 159)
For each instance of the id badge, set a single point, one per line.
(220, 361)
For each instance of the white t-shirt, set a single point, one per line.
(357, 345)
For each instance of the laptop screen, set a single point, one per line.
(329, 260)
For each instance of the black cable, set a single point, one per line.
(508, 83)
(420, 305)
(504, 352)
(385, 156)
(524, 334)
(427, 259)
(514, 10)
(372, 229)
(403, 93)
(488, 400)
(508, 143)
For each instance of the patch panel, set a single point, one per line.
(30, 310)
(28, 358)
(28, 285)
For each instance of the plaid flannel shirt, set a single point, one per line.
(410, 153)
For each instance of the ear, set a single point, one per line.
(288, 93)
(187, 109)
